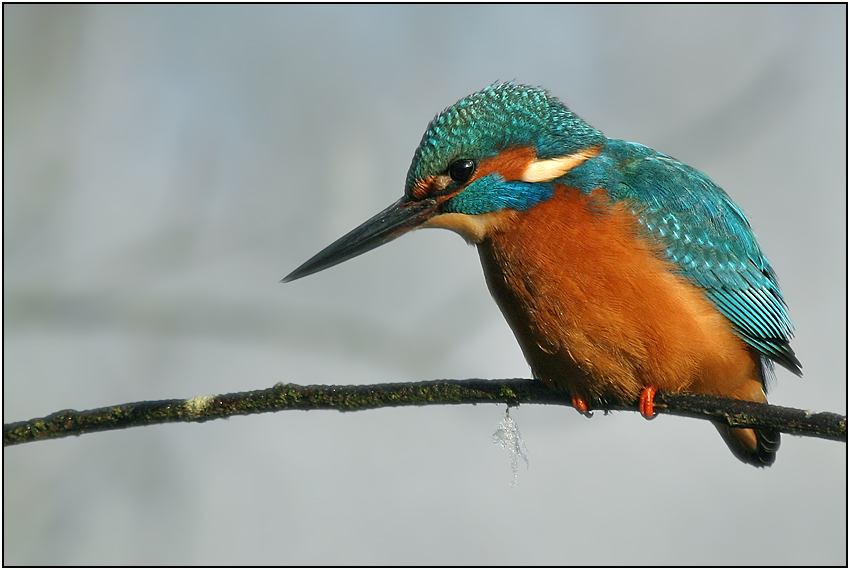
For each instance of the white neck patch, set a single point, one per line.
(549, 169)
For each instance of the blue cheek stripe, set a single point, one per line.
(492, 193)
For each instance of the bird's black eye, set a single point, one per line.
(461, 170)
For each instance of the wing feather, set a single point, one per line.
(705, 235)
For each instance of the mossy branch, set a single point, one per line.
(512, 392)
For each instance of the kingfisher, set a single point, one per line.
(620, 270)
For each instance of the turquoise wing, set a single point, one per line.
(706, 236)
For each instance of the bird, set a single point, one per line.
(620, 270)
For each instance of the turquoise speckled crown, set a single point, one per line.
(499, 117)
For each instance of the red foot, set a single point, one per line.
(580, 404)
(646, 405)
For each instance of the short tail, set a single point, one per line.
(755, 447)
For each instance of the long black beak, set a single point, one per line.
(398, 219)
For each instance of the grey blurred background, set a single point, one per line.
(165, 166)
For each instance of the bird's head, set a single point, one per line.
(494, 152)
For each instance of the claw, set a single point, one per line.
(646, 404)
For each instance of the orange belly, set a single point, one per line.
(598, 312)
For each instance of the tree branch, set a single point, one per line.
(512, 392)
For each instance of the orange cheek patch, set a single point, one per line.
(511, 163)
(429, 186)
(422, 188)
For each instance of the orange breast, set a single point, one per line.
(599, 312)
